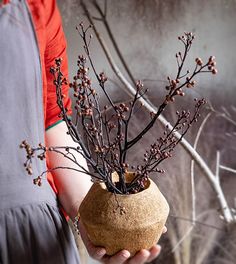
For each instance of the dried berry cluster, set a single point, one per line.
(31, 152)
(106, 140)
(182, 80)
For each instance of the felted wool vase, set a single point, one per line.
(131, 222)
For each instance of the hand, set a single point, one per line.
(123, 256)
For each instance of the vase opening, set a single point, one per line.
(129, 177)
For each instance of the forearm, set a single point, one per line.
(72, 185)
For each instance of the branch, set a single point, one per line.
(227, 169)
(130, 90)
(192, 166)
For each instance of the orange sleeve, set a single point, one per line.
(55, 48)
(52, 44)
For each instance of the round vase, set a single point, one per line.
(130, 222)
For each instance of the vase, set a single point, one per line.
(131, 222)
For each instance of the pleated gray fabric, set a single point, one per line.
(36, 234)
(32, 229)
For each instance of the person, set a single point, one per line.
(33, 229)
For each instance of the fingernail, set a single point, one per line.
(164, 230)
(101, 252)
(125, 254)
(146, 253)
(159, 247)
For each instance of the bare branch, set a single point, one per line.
(186, 145)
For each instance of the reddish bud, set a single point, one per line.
(214, 71)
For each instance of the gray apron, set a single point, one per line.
(32, 229)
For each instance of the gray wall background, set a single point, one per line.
(146, 32)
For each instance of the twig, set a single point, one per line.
(187, 233)
(218, 166)
(192, 167)
(227, 169)
(197, 222)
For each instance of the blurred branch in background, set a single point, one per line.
(193, 191)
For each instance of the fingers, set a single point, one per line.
(95, 252)
(154, 252)
(144, 255)
(140, 258)
(119, 258)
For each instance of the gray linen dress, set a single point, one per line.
(32, 229)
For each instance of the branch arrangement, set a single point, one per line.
(106, 139)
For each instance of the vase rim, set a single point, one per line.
(150, 184)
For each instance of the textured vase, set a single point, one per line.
(117, 222)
